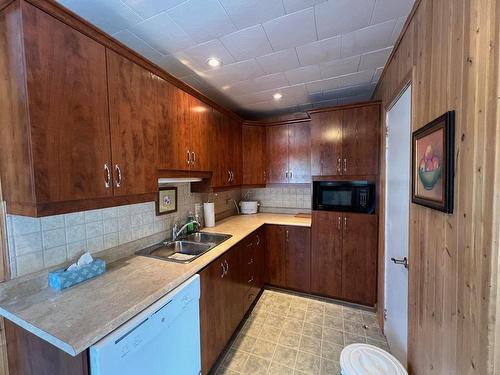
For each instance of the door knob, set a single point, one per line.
(403, 262)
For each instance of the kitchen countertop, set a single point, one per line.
(78, 317)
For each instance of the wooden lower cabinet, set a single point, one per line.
(30, 355)
(344, 256)
(288, 256)
(229, 286)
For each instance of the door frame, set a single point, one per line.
(408, 79)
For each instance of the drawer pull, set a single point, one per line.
(250, 261)
(251, 280)
(250, 244)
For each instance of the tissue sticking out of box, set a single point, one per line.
(82, 261)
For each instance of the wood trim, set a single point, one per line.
(47, 209)
(346, 106)
(5, 4)
(73, 20)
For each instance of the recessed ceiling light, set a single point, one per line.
(214, 62)
(277, 96)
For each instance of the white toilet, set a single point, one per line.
(365, 359)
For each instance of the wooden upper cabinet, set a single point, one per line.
(200, 128)
(359, 258)
(254, 155)
(326, 253)
(345, 141)
(299, 153)
(68, 111)
(173, 127)
(277, 154)
(236, 160)
(326, 142)
(360, 140)
(132, 104)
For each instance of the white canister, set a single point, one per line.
(209, 214)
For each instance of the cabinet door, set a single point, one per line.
(299, 153)
(275, 255)
(254, 155)
(236, 287)
(68, 104)
(220, 175)
(201, 127)
(173, 131)
(277, 154)
(298, 258)
(236, 157)
(212, 314)
(326, 143)
(359, 258)
(360, 141)
(132, 105)
(326, 253)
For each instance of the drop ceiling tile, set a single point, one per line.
(241, 88)
(353, 99)
(359, 78)
(202, 20)
(295, 5)
(388, 9)
(298, 92)
(369, 39)
(398, 28)
(279, 61)
(247, 43)
(326, 103)
(137, 44)
(365, 89)
(110, 16)
(323, 85)
(198, 55)
(271, 81)
(173, 66)
(342, 16)
(163, 34)
(246, 13)
(150, 8)
(339, 67)
(303, 74)
(377, 74)
(376, 59)
(239, 71)
(322, 50)
(291, 30)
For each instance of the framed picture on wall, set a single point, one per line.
(166, 201)
(433, 149)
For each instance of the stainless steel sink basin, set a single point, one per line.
(185, 249)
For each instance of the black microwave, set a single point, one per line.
(348, 196)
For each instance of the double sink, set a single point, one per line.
(185, 249)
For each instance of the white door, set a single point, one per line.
(397, 198)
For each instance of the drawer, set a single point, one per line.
(250, 297)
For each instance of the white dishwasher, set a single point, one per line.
(164, 339)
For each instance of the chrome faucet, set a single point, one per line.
(176, 233)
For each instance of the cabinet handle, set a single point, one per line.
(251, 280)
(119, 178)
(339, 224)
(339, 165)
(193, 159)
(227, 266)
(265, 177)
(188, 157)
(223, 270)
(107, 176)
(345, 224)
(250, 244)
(345, 165)
(232, 175)
(250, 261)
(286, 175)
(286, 235)
(291, 175)
(258, 240)
(229, 176)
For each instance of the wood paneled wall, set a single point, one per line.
(450, 51)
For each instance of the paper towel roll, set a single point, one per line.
(209, 213)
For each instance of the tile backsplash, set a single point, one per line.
(38, 243)
(280, 199)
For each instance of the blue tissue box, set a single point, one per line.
(62, 279)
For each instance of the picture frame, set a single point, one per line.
(433, 150)
(166, 200)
